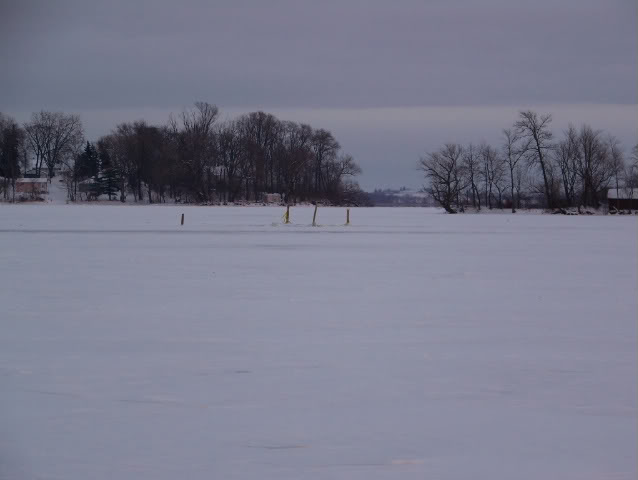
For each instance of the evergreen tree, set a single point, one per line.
(107, 183)
(11, 140)
(88, 164)
(9, 152)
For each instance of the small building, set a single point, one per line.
(271, 198)
(86, 186)
(33, 186)
(43, 172)
(622, 199)
(33, 173)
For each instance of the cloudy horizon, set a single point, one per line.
(390, 81)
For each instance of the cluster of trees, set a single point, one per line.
(194, 158)
(12, 154)
(530, 167)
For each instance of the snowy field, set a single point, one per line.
(410, 344)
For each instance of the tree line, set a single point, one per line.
(193, 158)
(532, 167)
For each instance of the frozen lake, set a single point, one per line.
(410, 344)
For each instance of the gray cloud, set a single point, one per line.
(316, 57)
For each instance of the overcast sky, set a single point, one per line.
(391, 79)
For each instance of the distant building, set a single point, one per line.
(86, 186)
(622, 199)
(34, 186)
(271, 198)
(399, 198)
(33, 173)
(44, 172)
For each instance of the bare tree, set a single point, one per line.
(121, 147)
(471, 164)
(70, 178)
(514, 151)
(336, 170)
(499, 177)
(536, 129)
(325, 148)
(617, 161)
(566, 156)
(259, 134)
(631, 173)
(491, 170)
(594, 164)
(444, 171)
(72, 174)
(54, 137)
(38, 138)
(519, 182)
(231, 155)
(350, 193)
(295, 155)
(197, 147)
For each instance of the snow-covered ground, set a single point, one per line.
(409, 344)
(57, 191)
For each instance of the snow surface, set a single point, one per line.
(408, 345)
(57, 191)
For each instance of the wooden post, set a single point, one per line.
(347, 216)
(182, 219)
(287, 216)
(314, 217)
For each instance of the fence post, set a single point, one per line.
(287, 215)
(347, 216)
(314, 217)
(182, 219)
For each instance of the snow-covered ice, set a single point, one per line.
(409, 344)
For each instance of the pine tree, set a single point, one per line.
(96, 187)
(107, 183)
(10, 139)
(88, 163)
(9, 153)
